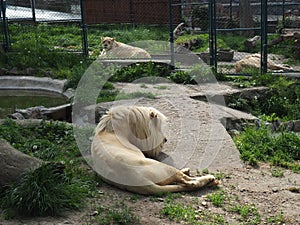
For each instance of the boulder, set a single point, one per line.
(14, 163)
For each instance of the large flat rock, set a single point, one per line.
(196, 133)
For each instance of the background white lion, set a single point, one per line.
(123, 139)
(114, 49)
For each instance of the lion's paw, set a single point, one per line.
(211, 180)
(186, 171)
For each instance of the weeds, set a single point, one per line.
(282, 101)
(217, 198)
(260, 144)
(118, 214)
(47, 141)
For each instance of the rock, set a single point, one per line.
(14, 163)
(204, 204)
(296, 127)
(30, 71)
(95, 213)
(275, 189)
(17, 116)
(62, 113)
(3, 71)
(252, 42)
(14, 71)
(225, 55)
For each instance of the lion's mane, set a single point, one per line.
(141, 126)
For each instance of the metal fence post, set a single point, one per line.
(283, 14)
(32, 2)
(171, 32)
(264, 36)
(131, 12)
(212, 34)
(6, 44)
(84, 30)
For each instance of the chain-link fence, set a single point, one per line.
(40, 11)
(222, 32)
(43, 10)
(237, 29)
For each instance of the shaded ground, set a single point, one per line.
(197, 139)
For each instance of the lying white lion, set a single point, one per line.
(122, 139)
(113, 49)
(254, 61)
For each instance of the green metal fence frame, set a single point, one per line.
(6, 41)
(213, 30)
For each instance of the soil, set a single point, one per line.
(197, 138)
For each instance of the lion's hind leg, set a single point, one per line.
(183, 184)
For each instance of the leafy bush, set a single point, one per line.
(45, 191)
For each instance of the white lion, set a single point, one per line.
(123, 138)
(254, 61)
(114, 49)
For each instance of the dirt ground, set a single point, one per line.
(197, 139)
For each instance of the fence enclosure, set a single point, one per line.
(247, 18)
(130, 11)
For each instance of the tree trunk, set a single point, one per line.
(14, 163)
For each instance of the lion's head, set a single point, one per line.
(141, 126)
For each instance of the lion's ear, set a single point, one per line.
(153, 115)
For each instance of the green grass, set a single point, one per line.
(217, 198)
(47, 141)
(55, 49)
(281, 101)
(112, 95)
(261, 144)
(54, 187)
(45, 191)
(178, 212)
(116, 214)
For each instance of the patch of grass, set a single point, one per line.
(53, 187)
(143, 86)
(217, 198)
(276, 219)
(179, 212)
(261, 144)
(188, 213)
(112, 95)
(140, 70)
(162, 87)
(277, 172)
(249, 213)
(282, 100)
(48, 140)
(45, 191)
(117, 214)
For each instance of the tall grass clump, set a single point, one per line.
(58, 185)
(45, 191)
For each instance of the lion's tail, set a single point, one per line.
(105, 124)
